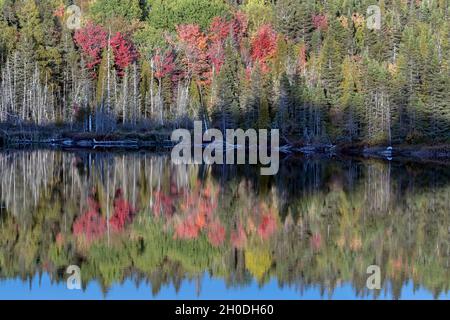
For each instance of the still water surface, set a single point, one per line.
(140, 227)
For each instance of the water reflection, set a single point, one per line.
(318, 224)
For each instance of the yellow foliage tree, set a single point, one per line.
(258, 261)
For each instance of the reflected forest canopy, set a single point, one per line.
(319, 222)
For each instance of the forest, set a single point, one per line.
(312, 69)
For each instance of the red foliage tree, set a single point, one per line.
(164, 64)
(92, 39)
(124, 52)
(195, 45)
(302, 58)
(219, 31)
(240, 27)
(264, 46)
(320, 22)
(216, 55)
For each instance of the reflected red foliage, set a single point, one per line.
(195, 207)
(123, 212)
(91, 224)
(192, 211)
(59, 239)
(268, 226)
(239, 237)
(187, 229)
(163, 204)
(316, 241)
(216, 233)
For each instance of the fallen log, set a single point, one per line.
(116, 144)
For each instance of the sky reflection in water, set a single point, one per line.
(212, 289)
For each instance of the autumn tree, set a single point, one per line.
(92, 39)
(264, 46)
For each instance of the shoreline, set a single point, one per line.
(161, 140)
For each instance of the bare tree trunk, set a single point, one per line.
(160, 102)
(108, 86)
(152, 81)
(124, 98)
(135, 94)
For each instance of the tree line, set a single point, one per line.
(312, 69)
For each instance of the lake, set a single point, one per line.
(140, 227)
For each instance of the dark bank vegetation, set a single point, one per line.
(74, 136)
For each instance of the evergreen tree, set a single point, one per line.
(227, 111)
(293, 19)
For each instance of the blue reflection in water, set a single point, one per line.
(211, 289)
